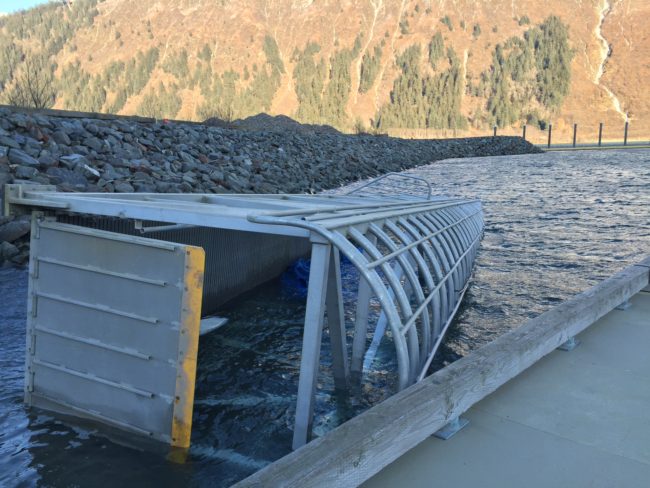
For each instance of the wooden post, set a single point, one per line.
(627, 123)
(575, 131)
(550, 131)
(495, 130)
(311, 342)
(524, 132)
(600, 134)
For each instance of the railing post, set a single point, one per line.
(550, 131)
(495, 130)
(575, 131)
(524, 132)
(600, 134)
(311, 341)
(627, 123)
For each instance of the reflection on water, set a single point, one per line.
(555, 224)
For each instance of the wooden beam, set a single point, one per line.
(363, 446)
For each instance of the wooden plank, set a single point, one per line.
(363, 446)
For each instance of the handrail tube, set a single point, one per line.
(387, 175)
(413, 244)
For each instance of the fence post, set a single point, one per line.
(550, 131)
(575, 131)
(627, 123)
(495, 130)
(524, 134)
(600, 134)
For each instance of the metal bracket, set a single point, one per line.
(570, 344)
(452, 428)
(14, 198)
(625, 305)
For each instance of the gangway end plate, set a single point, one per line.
(113, 328)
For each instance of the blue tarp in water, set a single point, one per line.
(295, 280)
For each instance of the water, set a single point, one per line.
(555, 224)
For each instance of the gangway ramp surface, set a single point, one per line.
(414, 254)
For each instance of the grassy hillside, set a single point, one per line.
(385, 64)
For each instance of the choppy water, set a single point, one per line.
(555, 225)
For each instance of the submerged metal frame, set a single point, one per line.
(414, 253)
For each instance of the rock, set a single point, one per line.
(20, 120)
(5, 178)
(73, 160)
(94, 143)
(81, 149)
(163, 187)
(25, 172)
(14, 230)
(109, 173)
(142, 187)
(189, 179)
(61, 176)
(92, 128)
(46, 160)
(124, 187)
(16, 156)
(37, 134)
(217, 176)
(61, 137)
(8, 251)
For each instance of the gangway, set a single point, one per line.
(119, 284)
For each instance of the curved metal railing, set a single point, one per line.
(380, 186)
(416, 263)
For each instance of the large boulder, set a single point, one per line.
(13, 230)
(16, 156)
(8, 251)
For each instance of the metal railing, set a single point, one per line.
(578, 134)
(381, 186)
(592, 136)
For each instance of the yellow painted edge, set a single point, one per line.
(188, 346)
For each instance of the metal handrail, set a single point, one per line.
(465, 232)
(388, 175)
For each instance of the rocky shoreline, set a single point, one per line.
(122, 155)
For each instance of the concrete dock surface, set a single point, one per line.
(577, 418)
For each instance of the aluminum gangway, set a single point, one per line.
(93, 288)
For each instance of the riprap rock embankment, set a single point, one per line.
(122, 155)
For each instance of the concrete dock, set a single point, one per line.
(574, 419)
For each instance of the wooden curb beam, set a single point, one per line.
(363, 446)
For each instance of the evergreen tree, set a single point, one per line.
(436, 49)
(370, 65)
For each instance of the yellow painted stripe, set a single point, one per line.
(188, 346)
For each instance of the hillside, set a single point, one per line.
(411, 64)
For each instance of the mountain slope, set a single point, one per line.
(394, 63)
